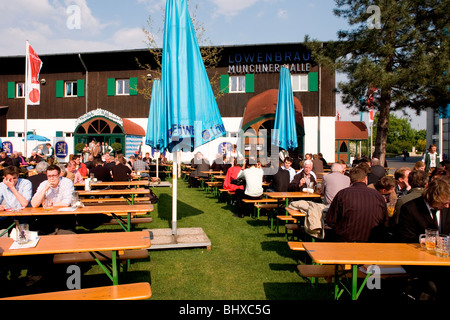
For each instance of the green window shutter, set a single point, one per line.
(313, 81)
(59, 88)
(250, 82)
(224, 83)
(59, 133)
(11, 133)
(29, 132)
(11, 90)
(111, 87)
(80, 88)
(133, 86)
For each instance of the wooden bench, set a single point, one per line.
(215, 185)
(285, 218)
(132, 221)
(296, 245)
(100, 200)
(228, 194)
(131, 291)
(80, 257)
(328, 272)
(259, 204)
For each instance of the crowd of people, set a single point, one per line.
(363, 203)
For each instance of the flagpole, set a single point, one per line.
(25, 154)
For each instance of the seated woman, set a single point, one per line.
(232, 174)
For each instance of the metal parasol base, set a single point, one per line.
(185, 238)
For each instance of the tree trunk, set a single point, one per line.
(383, 125)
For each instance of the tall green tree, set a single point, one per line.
(399, 47)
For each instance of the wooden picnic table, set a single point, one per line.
(211, 173)
(103, 184)
(292, 194)
(115, 211)
(88, 242)
(354, 254)
(116, 192)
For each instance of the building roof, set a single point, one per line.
(351, 130)
(266, 103)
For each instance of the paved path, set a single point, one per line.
(398, 162)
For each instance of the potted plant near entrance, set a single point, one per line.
(79, 147)
(117, 147)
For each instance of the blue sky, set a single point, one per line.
(52, 26)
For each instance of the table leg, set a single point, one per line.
(354, 281)
(115, 272)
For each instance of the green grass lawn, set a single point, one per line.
(247, 260)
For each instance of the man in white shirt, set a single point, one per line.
(288, 166)
(253, 176)
(59, 189)
(14, 193)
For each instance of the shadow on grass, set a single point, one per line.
(280, 247)
(98, 280)
(165, 208)
(297, 291)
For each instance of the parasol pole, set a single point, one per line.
(174, 193)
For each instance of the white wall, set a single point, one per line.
(48, 128)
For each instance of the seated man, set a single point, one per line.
(253, 174)
(386, 186)
(376, 171)
(401, 176)
(304, 178)
(140, 165)
(41, 169)
(59, 189)
(15, 192)
(287, 165)
(418, 180)
(358, 213)
(334, 182)
(431, 210)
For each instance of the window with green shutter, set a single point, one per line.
(224, 83)
(111, 86)
(11, 133)
(250, 83)
(59, 88)
(313, 81)
(133, 86)
(80, 88)
(59, 133)
(11, 90)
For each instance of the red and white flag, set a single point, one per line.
(338, 115)
(33, 67)
(371, 115)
